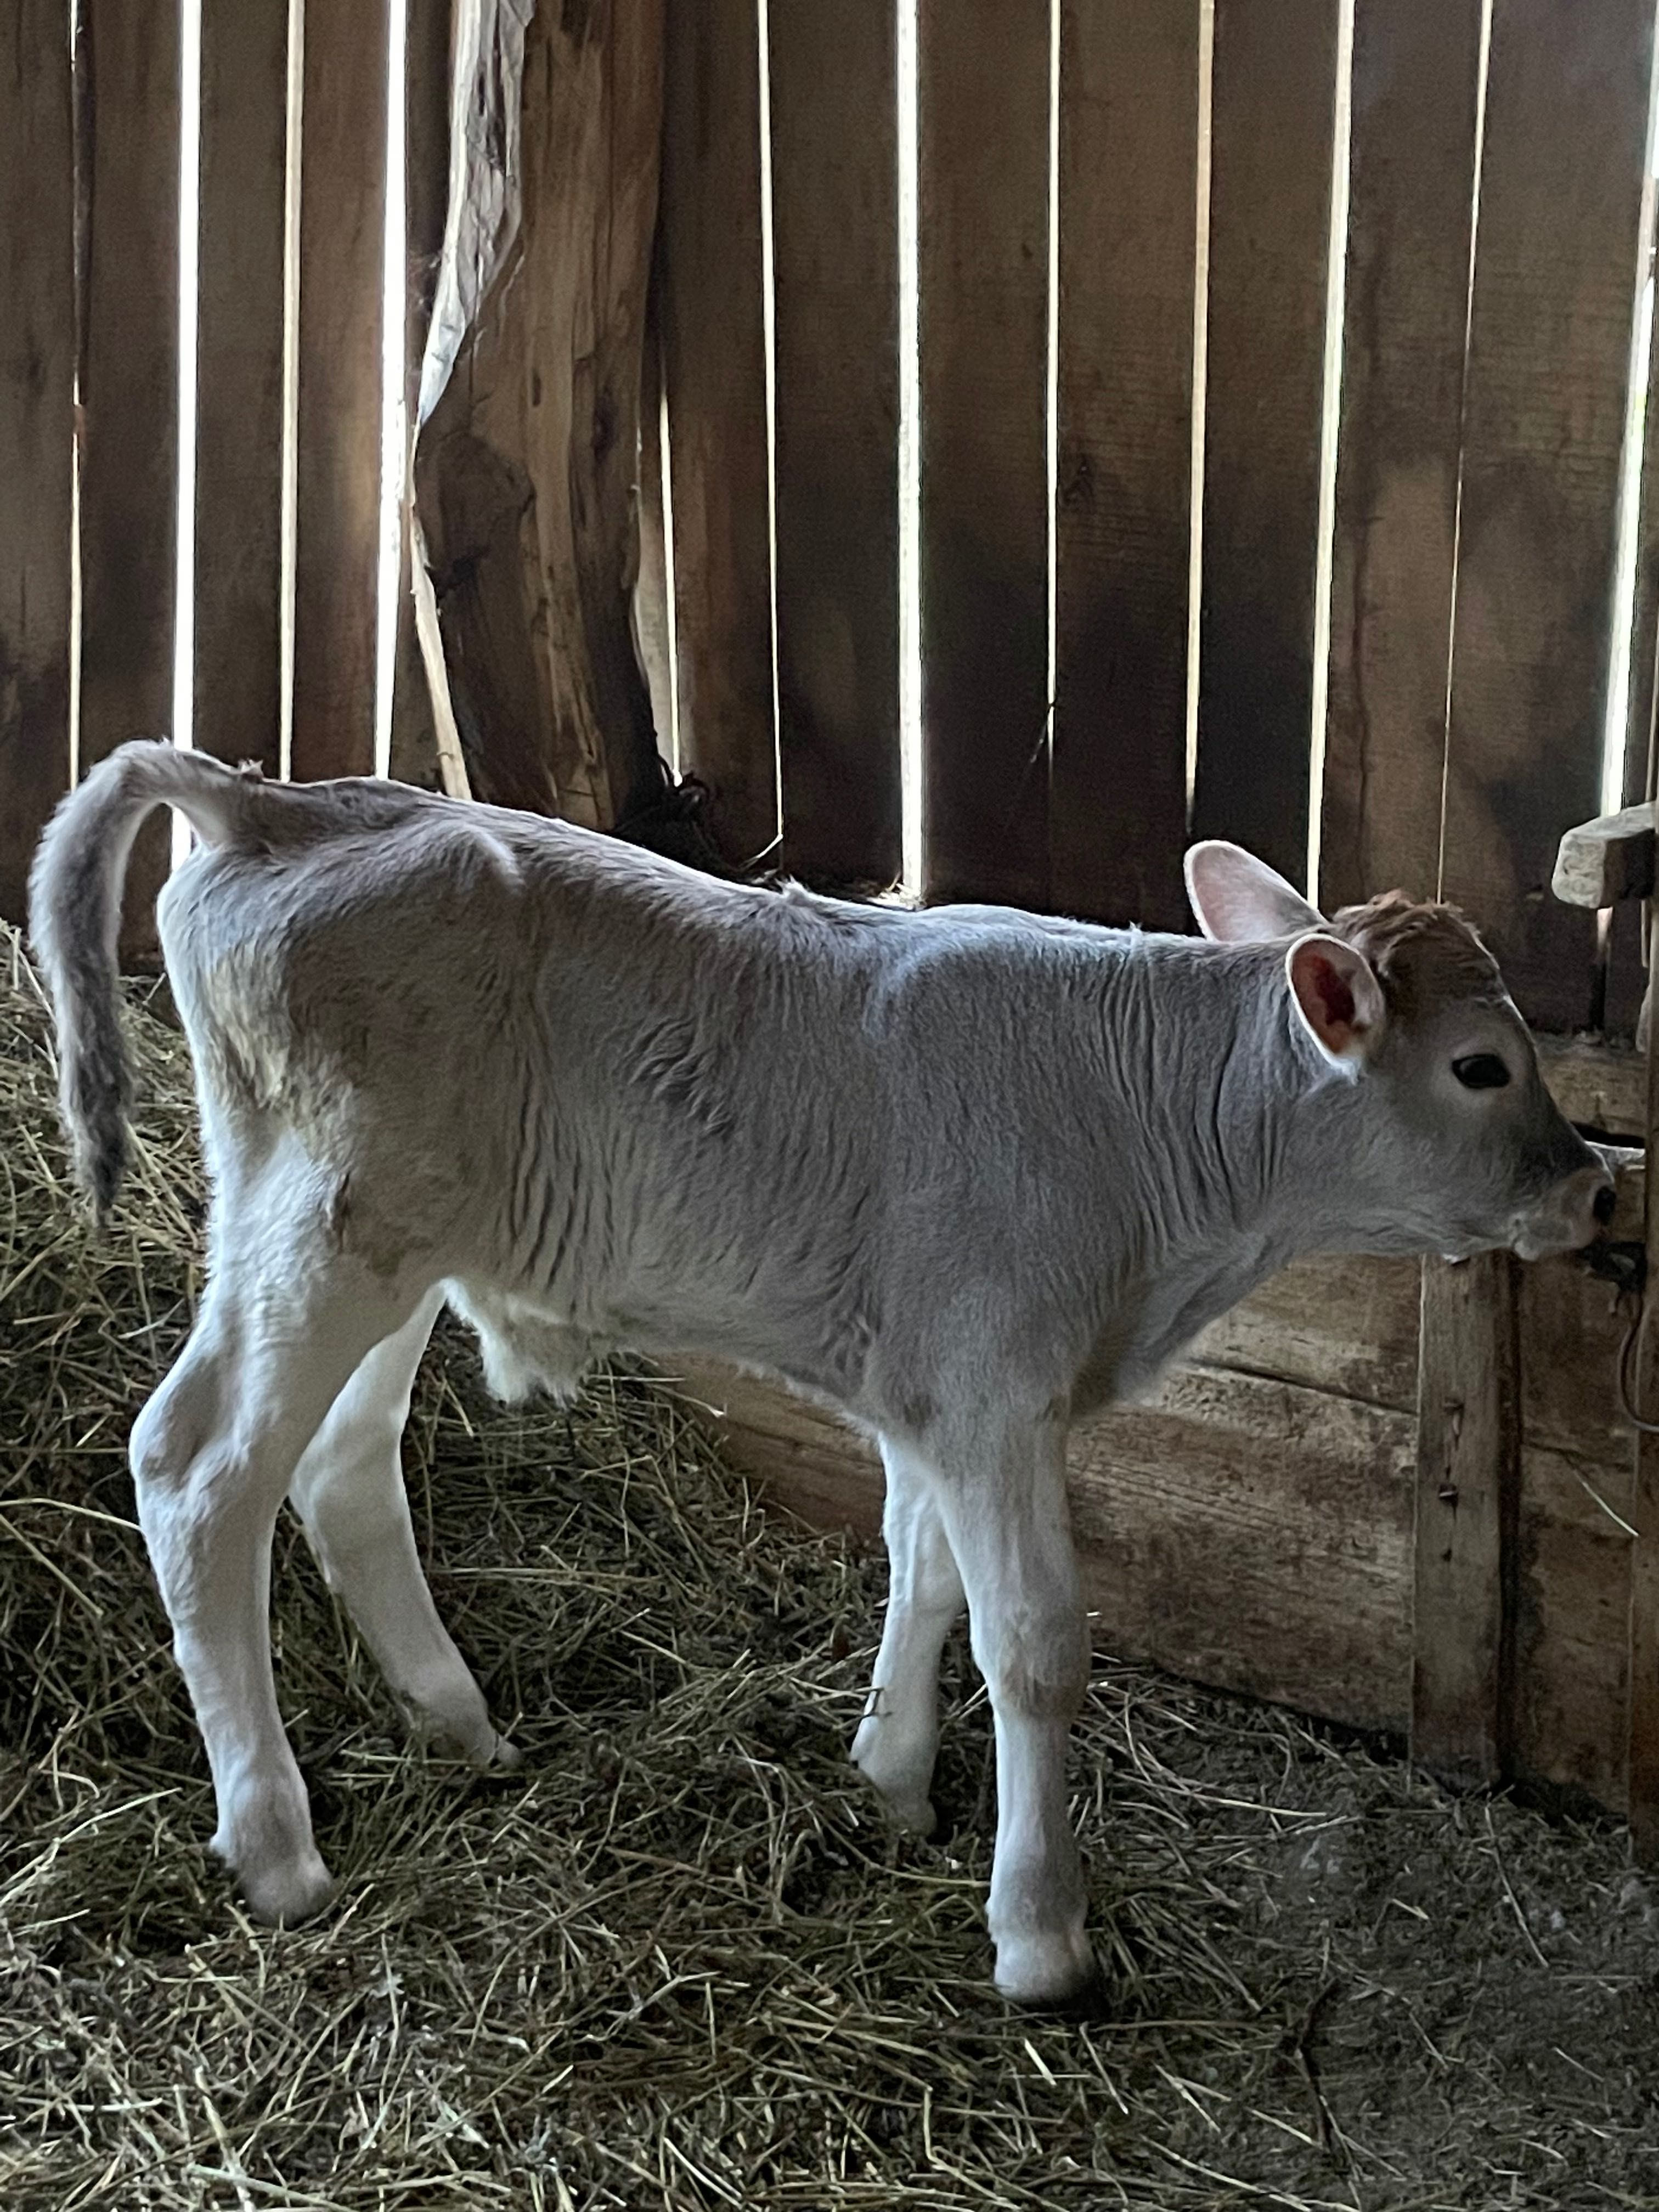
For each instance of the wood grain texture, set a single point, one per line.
(237, 684)
(1554, 276)
(426, 200)
(983, 103)
(1345, 1325)
(1271, 135)
(1599, 1086)
(337, 496)
(127, 68)
(526, 470)
(1642, 1740)
(1415, 94)
(715, 366)
(37, 430)
(835, 222)
(1240, 1530)
(1129, 151)
(1467, 1477)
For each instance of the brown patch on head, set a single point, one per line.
(1424, 956)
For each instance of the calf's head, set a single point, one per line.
(1451, 1142)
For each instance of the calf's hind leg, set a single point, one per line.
(213, 1454)
(348, 1490)
(898, 1740)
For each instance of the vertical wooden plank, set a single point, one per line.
(238, 381)
(1272, 115)
(337, 468)
(715, 368)
(982, 152)
(1128, 154)
(1468, 1488)
(127, 76)
(1643, 1733)
(426, 200)
(1415, 94)
(37, 386)
(834, 218)
(1555, 267)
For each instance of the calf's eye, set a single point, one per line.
(1481, 1071)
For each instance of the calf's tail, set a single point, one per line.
(75, 914)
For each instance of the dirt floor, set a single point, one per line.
(680, 1961)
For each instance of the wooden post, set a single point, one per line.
(37, 390)
(526, 470)
(1468, 1446)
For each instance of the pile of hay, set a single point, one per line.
(680, 1961)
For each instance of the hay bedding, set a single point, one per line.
(680, 1961)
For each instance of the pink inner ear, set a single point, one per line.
(1332, 991)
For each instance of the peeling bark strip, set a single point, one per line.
(37, 373)
(525, 471)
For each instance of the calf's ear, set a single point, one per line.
(1335, 991)
(1240, 899)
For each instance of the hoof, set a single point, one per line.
(282, 1897)
(1054, 1972)
(910, 1809)
(505, 1757)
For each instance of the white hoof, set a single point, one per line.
(1052, 1968)
(506, 1756)
(284, 1895)
(900, 1785)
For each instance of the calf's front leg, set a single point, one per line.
(1002, 1498)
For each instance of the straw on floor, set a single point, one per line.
(680, 1961)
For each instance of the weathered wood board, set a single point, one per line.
(1272, 111)
(237, 685)
(337, 466)
(1415, 96)
(1555, 276)
(835, 216)
(127, 63)
(1128, 219)
(982, 130)
(713, 342)
(37, 393)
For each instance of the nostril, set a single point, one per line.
(1605, 1201)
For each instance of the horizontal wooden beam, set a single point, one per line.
(1610, 859)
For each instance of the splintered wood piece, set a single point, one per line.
(1607, 859)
